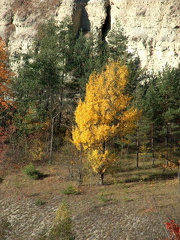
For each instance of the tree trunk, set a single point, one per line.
(137, 149)
(51, 140)
(102, 174)
(152, 144)
(104, 147)
(167, 145)
(80, 167)
(101, 179)
(153, 155)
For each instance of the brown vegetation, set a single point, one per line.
(132, 203)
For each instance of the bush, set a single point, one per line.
(31, 171)
(4, 227)
(62, 228)
(39, 202)
(71, 190)
(1, 179)
(174, 230)
(104, 198)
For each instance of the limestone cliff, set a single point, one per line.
(152, 26)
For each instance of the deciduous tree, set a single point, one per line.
(105, 113)
(52, 77)
(6, 99)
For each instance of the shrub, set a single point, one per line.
(62, 228)
(4, 227)
(71, 190)
(103, 198)
(31, 171)
(174, 230)
(1, 179)
(39, 202)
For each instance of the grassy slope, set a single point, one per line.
(134, 203)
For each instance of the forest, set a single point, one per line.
(87, 103)
(74, 89)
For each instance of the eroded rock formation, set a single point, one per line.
(152, 27)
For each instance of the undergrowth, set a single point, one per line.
(1, 179)
(62, 228)
(71, 190)
(4, 227)
(31, 171)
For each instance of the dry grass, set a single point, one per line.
(131, 202)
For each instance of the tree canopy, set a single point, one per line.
(6, 96)
(105, 112)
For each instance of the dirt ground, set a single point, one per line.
(116, 211)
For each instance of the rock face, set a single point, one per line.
(152, 27)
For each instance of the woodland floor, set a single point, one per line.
(119, 210)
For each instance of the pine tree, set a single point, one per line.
(169, 88)
(161, 108)
(40, 87)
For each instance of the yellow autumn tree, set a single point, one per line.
(105, 113)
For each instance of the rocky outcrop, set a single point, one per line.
(152, 27)
(19, 21)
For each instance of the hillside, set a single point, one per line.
(117, 210)
(89, 119)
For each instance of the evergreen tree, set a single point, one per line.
(55, 72)
(161, 108)
(152, 111)
(169, 88)
(116, 49)
(53, 75)
(40, 87)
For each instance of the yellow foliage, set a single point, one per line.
(37, 150)
(62, 213)
(100, 161)
(104, 113)
(170, 165)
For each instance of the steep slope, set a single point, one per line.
(152, 27)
